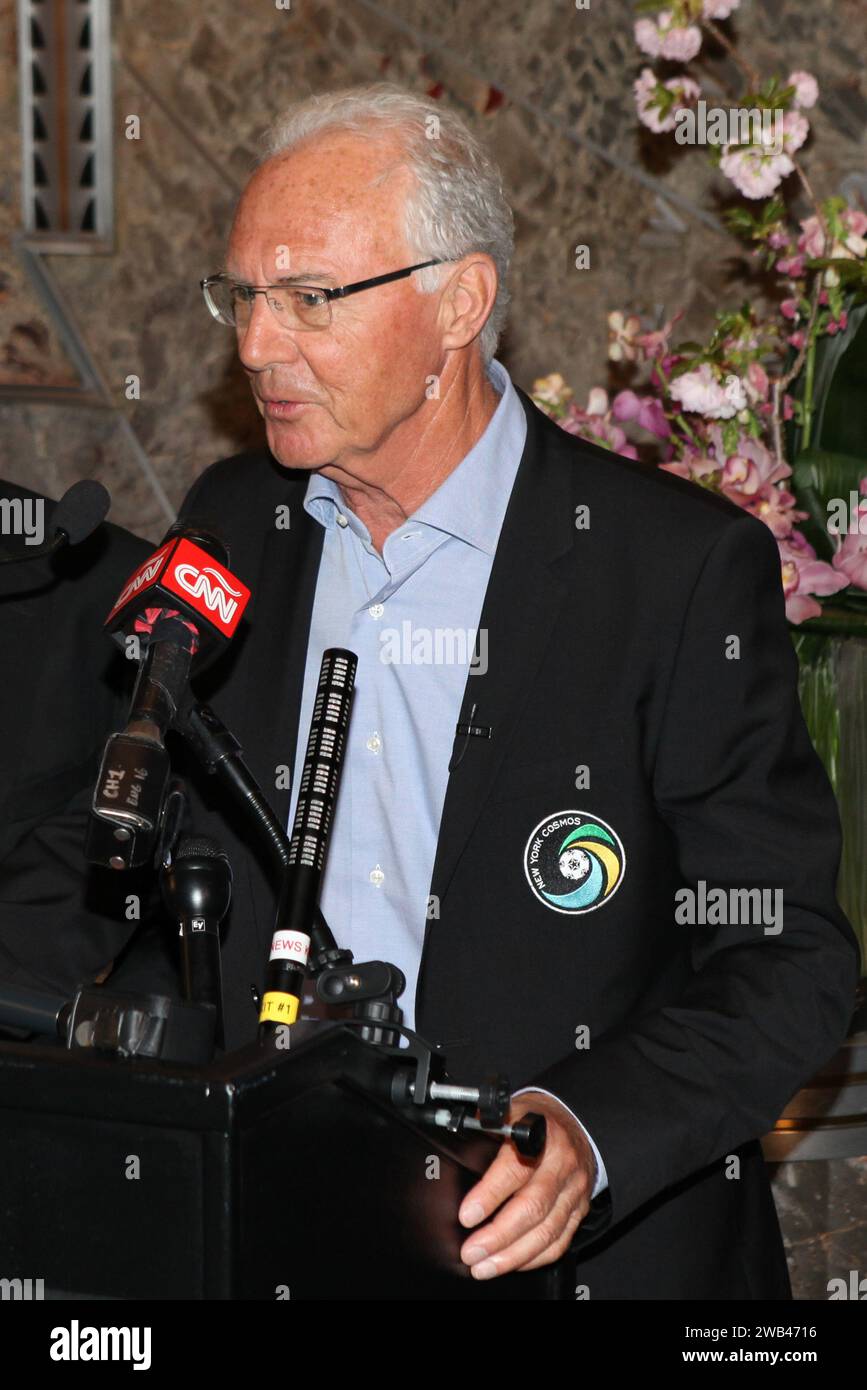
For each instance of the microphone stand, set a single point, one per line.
(419, 1083)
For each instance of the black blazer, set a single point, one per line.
(606, 649)
(64, 686)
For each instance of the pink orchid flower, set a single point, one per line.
(803, 576)
(740, 476)
(647, 411)
(776, 508)
(770, 468)
(851, 559)
(694, 465)
(595, 424)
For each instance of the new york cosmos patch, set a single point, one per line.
(574, 861)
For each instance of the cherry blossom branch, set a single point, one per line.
(679, 420)
(817, 207)
(746, 68)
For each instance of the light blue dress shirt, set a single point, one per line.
(411, 614)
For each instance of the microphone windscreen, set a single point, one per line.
(201, 533)
(80, 510)
(193, 846)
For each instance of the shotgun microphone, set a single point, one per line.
(317, 793)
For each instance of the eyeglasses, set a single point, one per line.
(294, 306)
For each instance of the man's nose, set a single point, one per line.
(264, 341)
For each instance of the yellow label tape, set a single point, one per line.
(279, 1008)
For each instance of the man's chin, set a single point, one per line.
(292, 448)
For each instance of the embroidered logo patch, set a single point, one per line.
(574, 861)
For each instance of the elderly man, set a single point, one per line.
(520, 808)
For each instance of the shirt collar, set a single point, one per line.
(470, 503)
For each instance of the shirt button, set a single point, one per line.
(376, 610)
(374, 743)
(377, 877)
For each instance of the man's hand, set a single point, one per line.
(550, 1196)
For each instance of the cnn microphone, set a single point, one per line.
(187, 575)
(197, 890)
(317, 793)
(182, 602)
(82, 508)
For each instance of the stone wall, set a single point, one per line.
(547, 84)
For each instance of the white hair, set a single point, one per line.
(457, 204)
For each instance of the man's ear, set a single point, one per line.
(467, 300)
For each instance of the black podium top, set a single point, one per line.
(268, 1174)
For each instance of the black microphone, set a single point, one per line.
(317, 793)
(197, 890)
(82, 508)
(182, 602)
(130, 791)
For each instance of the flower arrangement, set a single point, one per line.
(770, 411)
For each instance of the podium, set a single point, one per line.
(267, 1174)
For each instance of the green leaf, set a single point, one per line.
(830, 351)
(818, 476)
(757, 227)
(849, 272)
(817, 687)
(835, 620)
(841, 414)
(730, 434)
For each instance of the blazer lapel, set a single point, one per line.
(280, 617)
(521, 608)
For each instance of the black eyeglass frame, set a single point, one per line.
(340, 292)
